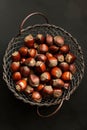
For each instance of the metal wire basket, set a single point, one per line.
(44, 29)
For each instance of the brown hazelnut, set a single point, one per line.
(52, 61)
(64, 49)
(23, 51)
(58, 83)
(16, 56)
(40, 38)
(41, 57)
(40, 66)
(43, 48)
(66, 76)
(30, 62)
(64, 66)
(21, 85)
(45, 77)
(25, 71)
(36, 96)
(48, 55)
(49, 40)
(15, 66)
(58, 40)
(29, 41)
(70, 58)
(56, 72)
(48, 89)
(36, 46)
(72, 68)
(57, 93)
(29, 89)
(16, 76)
(40, 87)
(34, 80)
(22, 61)
(59, 57)
(53, 49)
(32, 52)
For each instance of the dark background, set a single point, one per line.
(70, 15)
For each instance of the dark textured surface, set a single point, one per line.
(70, 15)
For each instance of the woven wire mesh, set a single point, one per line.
(44, 29)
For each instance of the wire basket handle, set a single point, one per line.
(51, 114)
(27, 17)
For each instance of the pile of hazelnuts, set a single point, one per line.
(43, 66)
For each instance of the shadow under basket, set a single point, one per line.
(18, 41)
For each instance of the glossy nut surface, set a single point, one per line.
(48, 89)
(23, 51)
(56, 72)
(64, 66)
(40, 66)
(40, 87)
(66, 76)
(58, 40)
(53, 49)
(45, 77)
(43, 48)
(70, 58)
(40, 38)
(66, 85)
(41, 57)
(32, 52)
(15, 66)
(64, 49)
(34, 80)
(21, 85)
(29, 41)
(30, 62)
(16, 76)
(72, 68)
(59, 57)
(29, 89)
(25, 71)
(49, 40)
(58, 83)
(36, 96)
(52, 61)
(16, 56)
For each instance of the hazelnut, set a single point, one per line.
(29, 41)
(30, 62)
(56, 72)
(36, 96)
(52, 61)
(23, 51)
(58, 83)
(22, 61)
(40, 66)
(34, 80)
(72, 68)
(45, 77)
(64, 49)
(64, 66)
(40, 87)
(53, 49)
(21, 85)
(16, 76)
(48, 89)
(29, 89)
(43, 48)
(70, 58)
(40, 38)
(59, 57)
(15, 66)
(41, 57)
(25, 71)
(16, 56)
(32, 52)
(66, 76)
(58, 40)
(48, 55)
(57, 93)
(49, 40)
